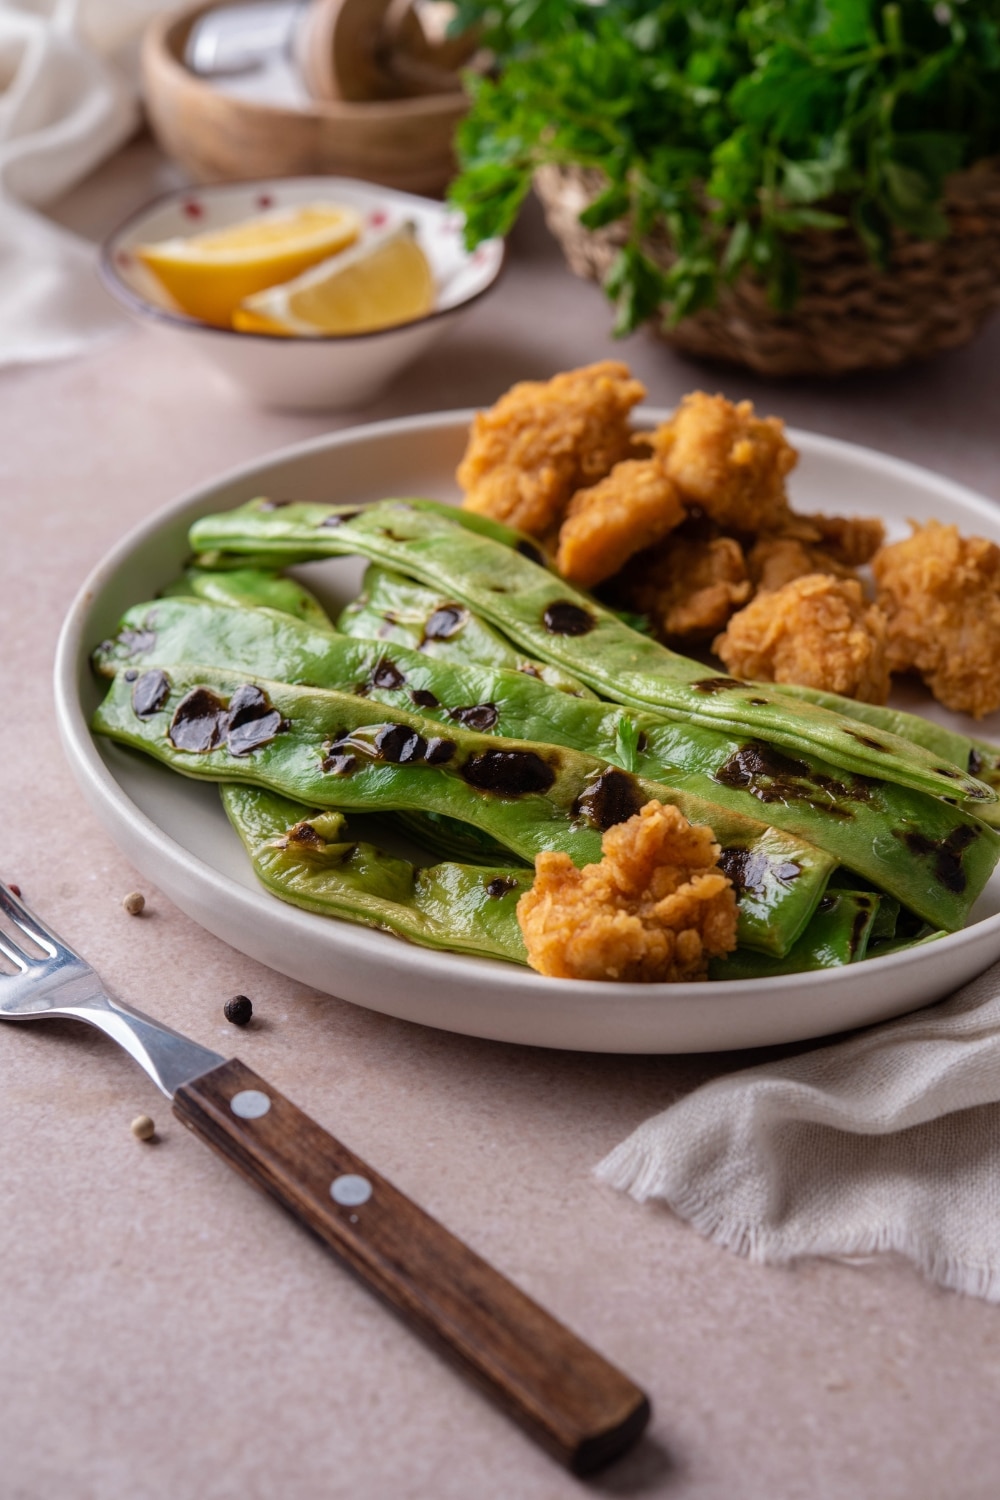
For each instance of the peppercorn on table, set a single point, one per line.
(168, 1333)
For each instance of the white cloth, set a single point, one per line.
(67, 101)
(889, 1140)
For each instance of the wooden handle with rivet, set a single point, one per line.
(562, 1392)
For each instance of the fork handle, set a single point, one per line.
(562, 1392)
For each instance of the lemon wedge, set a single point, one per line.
(377, 284)
(209, 274)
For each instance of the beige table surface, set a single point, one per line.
(166, 1333)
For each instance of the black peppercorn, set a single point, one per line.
(238, 1010)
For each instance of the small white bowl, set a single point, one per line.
(328, 372)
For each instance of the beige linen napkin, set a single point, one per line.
(67, 100)
(889, 1140)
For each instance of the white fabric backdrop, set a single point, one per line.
(68, 99)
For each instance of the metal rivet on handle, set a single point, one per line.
(249, 1104)
(350, 1190)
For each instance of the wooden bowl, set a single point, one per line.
(400, 143)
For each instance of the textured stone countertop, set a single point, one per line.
(168, 1334)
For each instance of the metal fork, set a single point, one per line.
(563, 1393)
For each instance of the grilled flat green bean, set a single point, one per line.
(441, 629)
(839, 933)
(336, 750)
(929, 854)
(548, 619)
(309, 859)
(979, 757)
(252, 588)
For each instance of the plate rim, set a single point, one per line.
(96, 778)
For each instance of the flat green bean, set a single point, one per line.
(339, 750)
(309, 859)
(252, 588)
(930, 854)
(548, 619)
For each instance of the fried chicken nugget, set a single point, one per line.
(633, 507)
(817, 631)
(655, 909)
(776, 560)
(728, 461)
(688, 586)
(851, 541)
(544, 440)
(940, 593)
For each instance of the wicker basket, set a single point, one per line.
(850, 315)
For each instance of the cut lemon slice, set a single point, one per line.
(208, 275)
(378, 284)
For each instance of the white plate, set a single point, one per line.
(176, 834)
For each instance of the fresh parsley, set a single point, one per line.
(730, 127)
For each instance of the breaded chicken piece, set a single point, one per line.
(817, 631)
(775, 560)
(655, 909)
(940, 593)
(728, 461)
(633, 507)
(543, 441)
(688, 586)
(849, 540)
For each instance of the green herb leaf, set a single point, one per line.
(729, 127)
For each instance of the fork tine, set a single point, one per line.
(17, 958)
(29, 925)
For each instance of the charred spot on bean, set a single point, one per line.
(132, 642)
(393, 536)
(747, 869)
(361, 689)
(305, 833)
(500, 885)
(338, 762)
(446, 621)
(508, 773)
(866, 740)
(531, 552)
(199, 723)
(480, 717)
(859, 926)
(948, 771)
(642, 742)
(975, 762)
(341, 520)
(399, 745)
(610, 797)
(252, 721)
(565, 618)
(711, 685)
(918, 843)
(946, 854)
(385, 674)
(439, 751)
(424, 698)
(150, 693)
(770, 776)
(274, 504)
(529, 670)
(759, 702)
(827, 903)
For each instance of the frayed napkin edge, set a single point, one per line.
(629, 1169)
